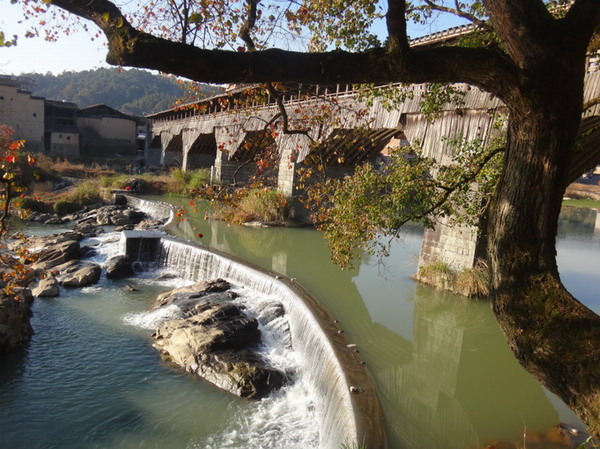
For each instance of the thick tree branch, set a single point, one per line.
(130, 47)
(523, 27)
(396, 26)
(582, 19)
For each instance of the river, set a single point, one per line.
(445, 377)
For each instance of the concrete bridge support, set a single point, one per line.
(200, 153)
(228, 139)
(172, 155)
(291, 146)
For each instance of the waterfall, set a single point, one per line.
(350, 409)
(155, 209)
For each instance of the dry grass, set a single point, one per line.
(473, 282)
(264, 205)
(63, 167)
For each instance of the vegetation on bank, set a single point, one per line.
(253, 204)
(470, 282)
(582, 202)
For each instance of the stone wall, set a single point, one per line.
(458, 246)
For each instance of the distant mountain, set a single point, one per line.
(135, 92)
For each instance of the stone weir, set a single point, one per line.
(352, 415)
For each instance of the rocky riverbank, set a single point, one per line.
(59, 260)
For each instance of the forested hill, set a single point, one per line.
(133, 91)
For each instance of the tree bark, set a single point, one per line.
(554, 336)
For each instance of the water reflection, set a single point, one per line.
(443, 371)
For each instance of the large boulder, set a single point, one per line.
(118, 267)
(78, 274)
(46, 288)
(57, 254)
(15, 312)
(216, 339)
(198, 290)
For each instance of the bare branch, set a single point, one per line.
(458, 11)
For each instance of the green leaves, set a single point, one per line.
(366, 210)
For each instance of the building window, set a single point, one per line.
(35, 114)
(68, 137)
(1, 97)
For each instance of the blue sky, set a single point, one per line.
(76, 52)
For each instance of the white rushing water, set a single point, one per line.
(321, 368)
(286, 419)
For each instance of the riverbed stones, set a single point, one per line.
(57, 254)
(46, 288)
(15, 311)
(198, 290)
(77, 273)
(216, 340)
(118, 267)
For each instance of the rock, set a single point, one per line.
(215, 342)
(118, 267)
(198, 290)
(215, 339)
(87, 251)
(57, 254)
(116, 215)
(46, 288)
(130, 288)
(144, 225)
(78, 274)
(557, 436)
(15, 312)
(88, 229)
(270, 312)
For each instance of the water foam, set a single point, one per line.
(286, 419)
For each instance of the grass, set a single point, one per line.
(592, 204)
(83, 194)
(471, 282)
(437, 274)
(185, 182)
(258, 204)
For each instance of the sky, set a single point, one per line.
(76, 52)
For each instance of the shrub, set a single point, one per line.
(85, 193)
(34, 205)
(261, 205)
(64, 207)
(198, 178)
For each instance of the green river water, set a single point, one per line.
(444, 374)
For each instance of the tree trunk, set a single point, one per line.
(553, 335)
